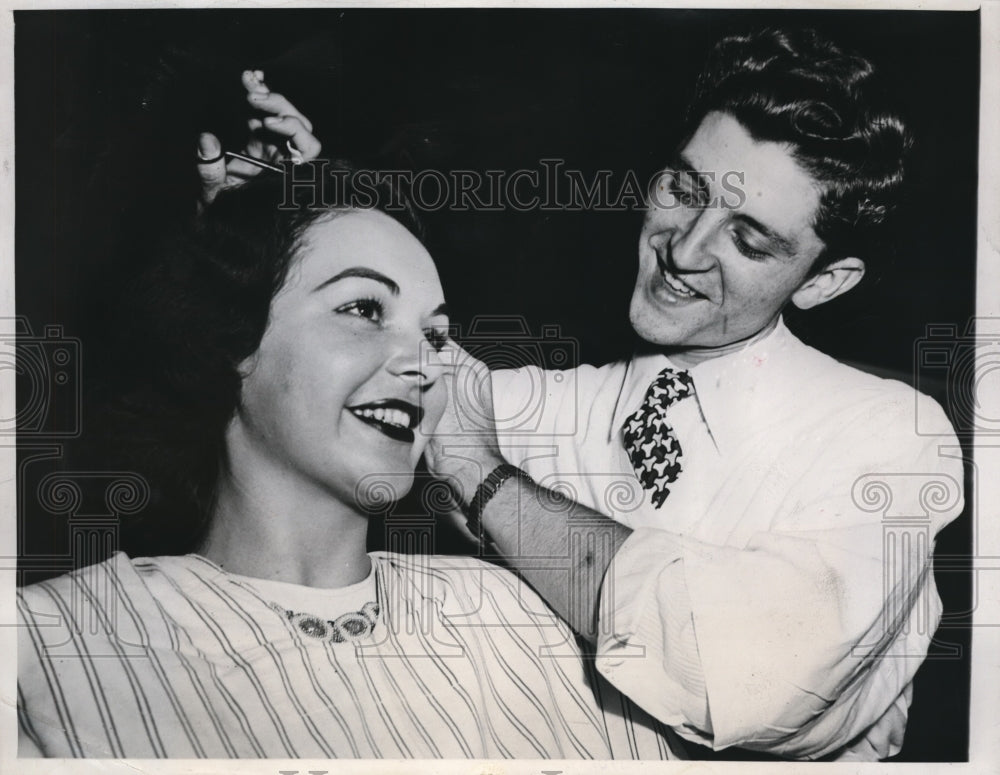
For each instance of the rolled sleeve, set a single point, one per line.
(646, 642)
(785, 630)
(755, 647)
(803, 640)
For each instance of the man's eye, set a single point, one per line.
(370, 309)
(748, 250)
(438, 339)
(687, 190)
(687, 198)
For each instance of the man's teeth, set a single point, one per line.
(676, 285)
(388, 416)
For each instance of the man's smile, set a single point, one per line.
(675, 288)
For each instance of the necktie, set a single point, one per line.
(650, 441)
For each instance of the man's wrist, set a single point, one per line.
(469, 473)
(489, 487)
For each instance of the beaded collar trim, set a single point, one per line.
(349, 627)
(346, 628)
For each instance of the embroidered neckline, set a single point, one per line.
(346, 628)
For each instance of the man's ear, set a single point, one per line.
(830, 282)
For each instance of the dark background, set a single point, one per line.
(109, 103)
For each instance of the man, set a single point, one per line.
(746, 590)
(752, 594)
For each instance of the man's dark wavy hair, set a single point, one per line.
(795, 87)
(189, 320)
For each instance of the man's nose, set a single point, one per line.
(685, 243)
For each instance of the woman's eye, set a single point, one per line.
(370, 309)
(747, 250)
(438, 339)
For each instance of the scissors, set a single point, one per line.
(294, 153)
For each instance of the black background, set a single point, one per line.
(109, 103)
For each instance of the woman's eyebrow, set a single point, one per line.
(363, 272)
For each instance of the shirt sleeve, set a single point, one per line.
(535, 407)
(804, 640)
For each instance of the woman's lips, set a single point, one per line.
(392, 417)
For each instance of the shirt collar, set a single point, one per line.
(722, 385)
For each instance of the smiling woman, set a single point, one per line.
(288, 357)
(344, 371)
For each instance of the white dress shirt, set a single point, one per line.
(783, 597)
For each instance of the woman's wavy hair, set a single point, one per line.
(190, 319)
(795, 87)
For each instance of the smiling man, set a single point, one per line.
(712, 276)
(746, 590)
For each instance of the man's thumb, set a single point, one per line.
(211, 165)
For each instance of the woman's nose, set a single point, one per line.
(417, 360)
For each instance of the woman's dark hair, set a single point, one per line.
(187, 323)
(796, 87)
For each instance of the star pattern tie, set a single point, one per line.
(650, 441)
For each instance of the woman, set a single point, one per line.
(296, 368)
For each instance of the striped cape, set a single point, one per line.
(173, 657)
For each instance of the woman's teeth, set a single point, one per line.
(395, 417)
(396, 423)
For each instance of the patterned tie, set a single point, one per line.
(650, 441)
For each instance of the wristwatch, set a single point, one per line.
(485, 492)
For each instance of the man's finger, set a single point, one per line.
(211, 166)
(253, 81)
(209, 148)
(277, 105)
(448, 356)
(301, 137)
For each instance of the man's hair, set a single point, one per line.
(795, 87)
(196, 312)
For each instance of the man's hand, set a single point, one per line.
(464, 448)
(523, 521)
(278, 131)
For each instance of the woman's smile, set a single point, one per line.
(393, 417)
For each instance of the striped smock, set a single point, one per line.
(174, 657)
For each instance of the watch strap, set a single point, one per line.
(485, 492)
